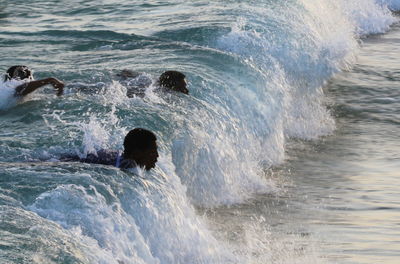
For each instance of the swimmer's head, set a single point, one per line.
(18, 72)
(140, 145)
(173, 80)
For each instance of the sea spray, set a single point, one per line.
(309, 46)
(141, 218)
(254, 82)
(7, 93)
(293, 60)
(222, 141)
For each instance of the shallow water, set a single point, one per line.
(286, 150)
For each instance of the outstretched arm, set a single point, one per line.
(29, 87)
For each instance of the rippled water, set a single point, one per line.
(285, 151)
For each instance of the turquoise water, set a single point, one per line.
(285, 151)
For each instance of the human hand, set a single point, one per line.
(58, 85)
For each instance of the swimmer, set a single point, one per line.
(21, 78)
(168, 81)
(140, 150)
(174, 81)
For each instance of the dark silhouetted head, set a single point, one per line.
(140, 145)
(174, 80)
(18, 72)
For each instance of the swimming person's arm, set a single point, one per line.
(27, 88)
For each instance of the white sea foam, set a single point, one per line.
(309, 46)
(222, 146)
(141, 219)
(7, 91)
(219, 147)
(219, 156)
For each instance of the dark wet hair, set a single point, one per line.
(20, 71)
(169, 79)
(138, 139)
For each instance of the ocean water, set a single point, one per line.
(285, 151)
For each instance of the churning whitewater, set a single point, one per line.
(256, 73)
